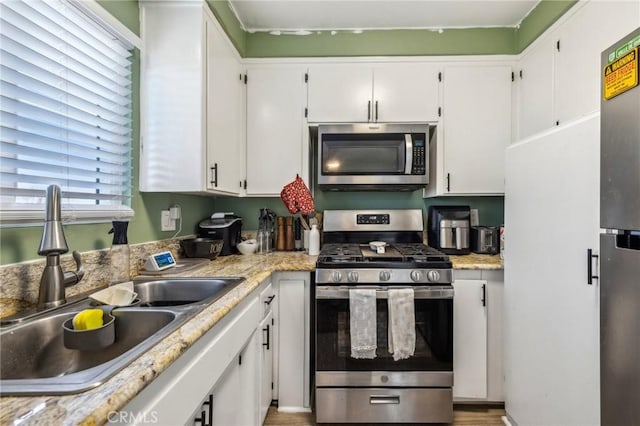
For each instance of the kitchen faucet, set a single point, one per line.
(52, 245)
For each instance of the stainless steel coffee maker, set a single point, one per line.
(266, 237)
(448, 228)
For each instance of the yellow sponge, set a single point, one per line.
(88, 319)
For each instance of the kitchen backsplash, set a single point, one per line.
(22, 280)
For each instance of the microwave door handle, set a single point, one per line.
(458, 238)
(408, 147)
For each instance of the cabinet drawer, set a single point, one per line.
(266, 299)
(369, 405)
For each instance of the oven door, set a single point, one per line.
(431, 364)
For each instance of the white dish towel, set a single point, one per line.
(402, 323)
(362, 312)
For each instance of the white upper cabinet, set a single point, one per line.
(224, 106)
(340, 93)
(191, 101)
(405, 92)
(535, 81)
(276, 97)
(561, 70)
(468, 155)
(389, 92)
(580, 41)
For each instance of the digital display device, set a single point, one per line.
(160, 261)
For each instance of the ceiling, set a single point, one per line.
(300, 15)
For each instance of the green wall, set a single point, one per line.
(540, 18)
(490, 209)
(20, 244)
(466, 41)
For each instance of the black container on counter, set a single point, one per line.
(223, 226)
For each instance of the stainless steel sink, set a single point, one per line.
(182, 291)
(34, 360)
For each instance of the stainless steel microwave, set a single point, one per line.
(373, 156)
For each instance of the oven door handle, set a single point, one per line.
(342, 292)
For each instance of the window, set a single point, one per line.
(65, 112)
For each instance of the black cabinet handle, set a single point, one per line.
(268, 301)
(369, 111)
(214, 174)
(209, 403)
(202, 419)
(590, 257)
(376, 111)
(484, 295)
(448, 182)
(268, 337)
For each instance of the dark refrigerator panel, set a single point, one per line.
(619, 331)
(620, 137)
(620, 243)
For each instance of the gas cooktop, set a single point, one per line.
(347, 257)
(396, 255)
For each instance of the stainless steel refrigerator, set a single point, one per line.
(620, 237)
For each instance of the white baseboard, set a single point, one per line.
(294, 409)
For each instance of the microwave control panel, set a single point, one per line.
(418, 167)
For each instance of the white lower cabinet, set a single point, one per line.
(266, 366)
(477, 336)
(217, 380)
(234, 396)
(293, 330)
(266, 349)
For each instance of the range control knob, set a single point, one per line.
(433, 276)
(352, 277)
(336, 276)
(416, 276)
(385, 275)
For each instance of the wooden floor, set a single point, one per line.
(468, 415)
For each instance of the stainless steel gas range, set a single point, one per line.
(382, 250)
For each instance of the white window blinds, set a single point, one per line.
(65, 112)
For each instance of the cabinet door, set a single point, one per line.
(225, 88)
(592, 29)
(469, 339)
(495, 335)
(340, 93)
(477, 128)
(275, 112)
(225, 396)
(171, 97)
(551, 313)
(293, 341)
(536, 89)
(266, 365)
(234, 395)
(405, 92)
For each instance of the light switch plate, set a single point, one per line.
(166, 223)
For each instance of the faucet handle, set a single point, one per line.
(70, 277)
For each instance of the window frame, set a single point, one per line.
(29, 217)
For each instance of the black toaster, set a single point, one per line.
(485, 239)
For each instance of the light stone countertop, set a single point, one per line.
(477, 261)
(94, 406)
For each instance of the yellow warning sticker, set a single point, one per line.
(621, 75)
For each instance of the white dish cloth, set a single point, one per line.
(402, 323)
(362, 312)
